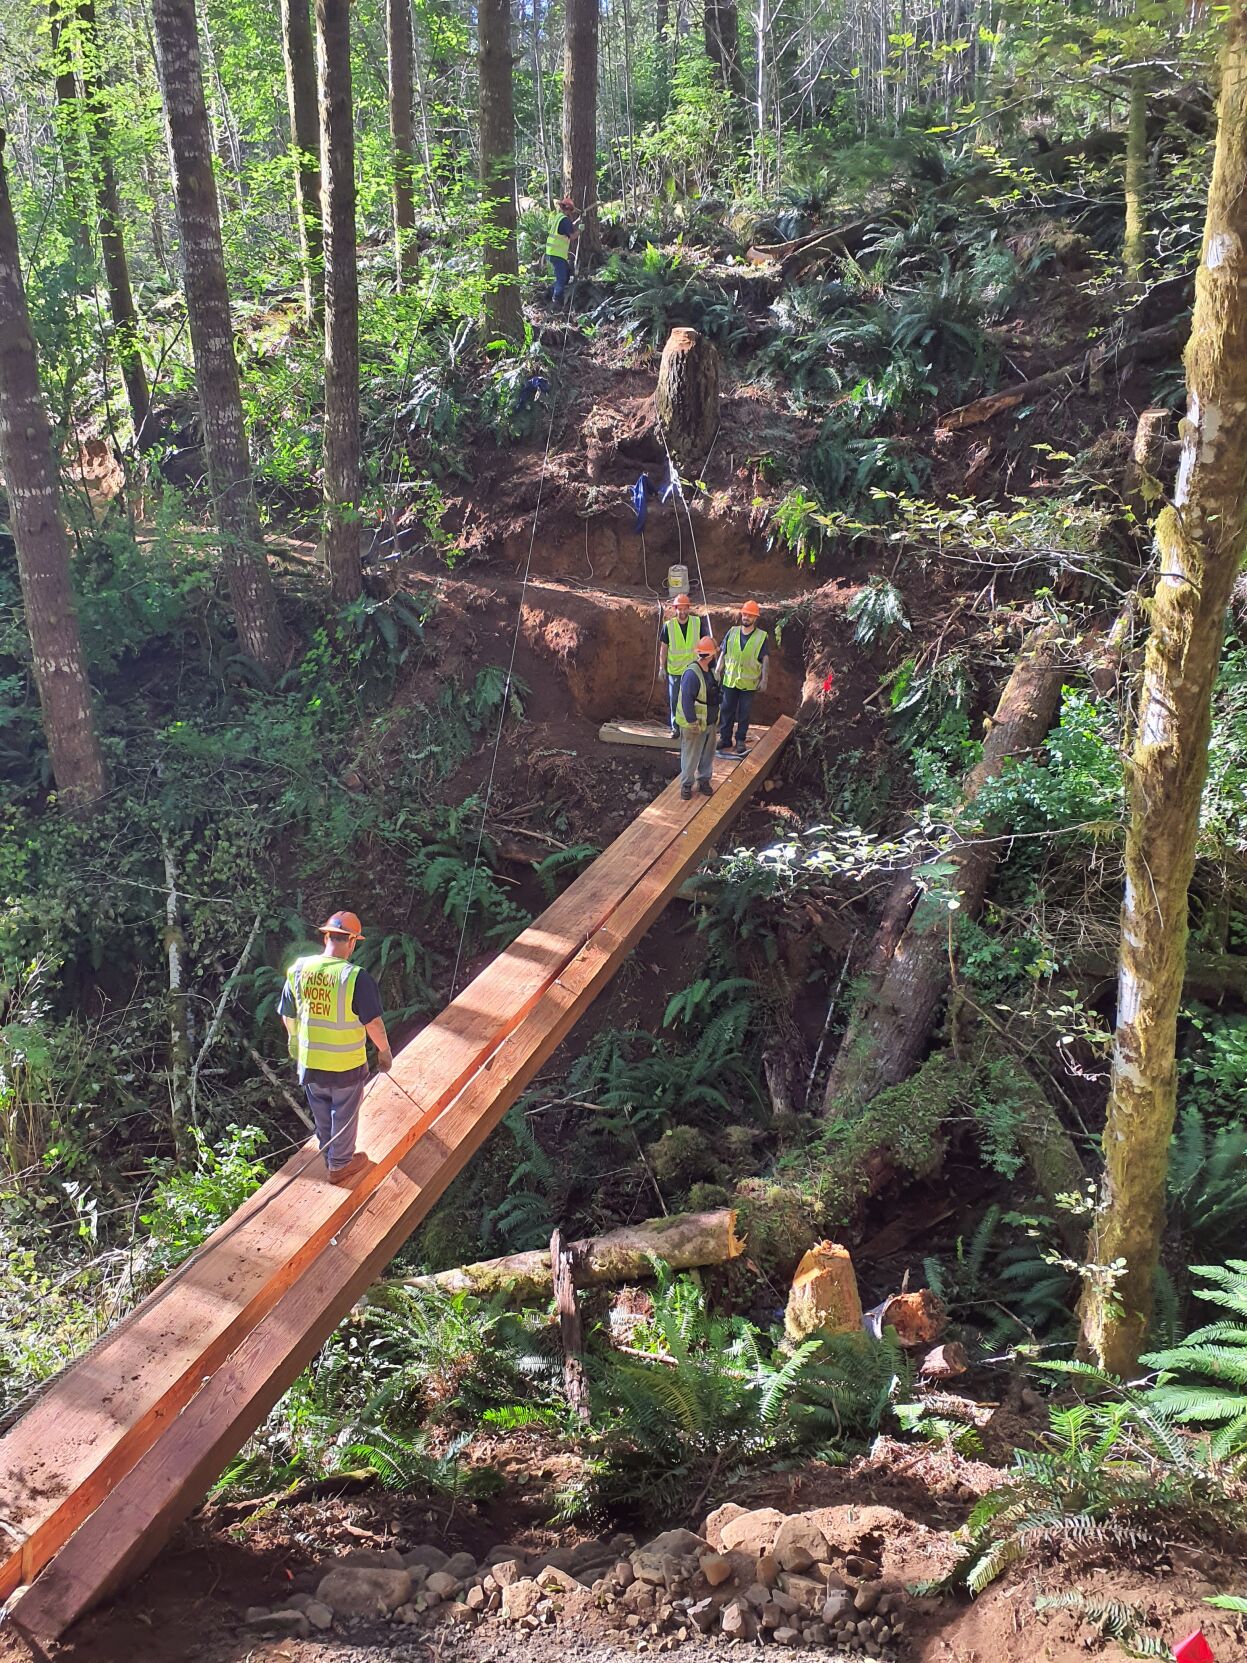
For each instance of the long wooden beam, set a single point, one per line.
(126, 1529)
(92, 1424)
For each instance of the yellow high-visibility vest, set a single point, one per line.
(328, 1034)
(700, 705)
(742, 658)
(558, 243)
(681, 644)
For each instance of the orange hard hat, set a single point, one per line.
(751, 609)
(342, 923)
(566, 202)
(706, 645)
(683, 598)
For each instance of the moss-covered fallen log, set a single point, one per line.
(684, 1241)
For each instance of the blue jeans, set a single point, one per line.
(335, 1114)
(737, 702)
(562, 272)
(673, 699)
(696, 754)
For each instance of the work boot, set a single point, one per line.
(739, 751)
(725, 750)
(705, 787)
(686, 791)
(357, 1164)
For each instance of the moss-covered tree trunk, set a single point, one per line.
(400, 58)
(497, 112)
(39, 532)
(253, 596)
(337, 169)
(889, 1028)
(1200, 540)
(1133, 244)
(299, 53)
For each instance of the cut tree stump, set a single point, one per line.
(823, 1298)
(685, 1241)
(571, 1331)
(918, 1318)
(687, 401)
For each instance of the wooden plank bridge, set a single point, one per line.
(119, 1449)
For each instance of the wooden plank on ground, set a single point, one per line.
(92, 1424)
(624, 731)
(130, 1525)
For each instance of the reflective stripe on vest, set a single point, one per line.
(681, 720)
(329, 1034)
(742, 658)
(558, 244)
(682, 647)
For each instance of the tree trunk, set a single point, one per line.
(580, 120)
(112, 242)
(889, 1027)
(687, 401)
(1133, 250)
(722, 38)
(402, 135)
(42, 548)
(571, 1330)
(252, 595)
(1199, 541)
(337, 164)
(69, 135)
(504, 312)
(299, 52)
(684, 1241)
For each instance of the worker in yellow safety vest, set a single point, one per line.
(677, 648)
(330, 1008)
(560, 237)
(742, 669)
(697, 711)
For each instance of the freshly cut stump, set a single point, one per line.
(824, 1298)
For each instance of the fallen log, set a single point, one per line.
(1210, 977)
(889, 1026)
(1143, 349)
(835, 239)
(685, 1241)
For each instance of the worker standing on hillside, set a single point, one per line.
(696, 714)
(743, 669)
(560, 239)
(330, 1006)
(677, 649)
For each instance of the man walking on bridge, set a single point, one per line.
(696, 715)
(330, 1007)
(677, 648)
(743, 667)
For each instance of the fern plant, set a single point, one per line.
(1114, 1619)
(1203, 1381)
(1207, 1186)
(876, 610)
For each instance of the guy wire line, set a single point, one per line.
(515, 638)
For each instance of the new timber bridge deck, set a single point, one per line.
(96, 1476)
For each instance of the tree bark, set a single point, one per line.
(299, 54)
(1133, 250)
(571, 1330)
(400, 57)
(722, 39)
(1199, 540)
(60, 666)
(69, 134)
(252, 594)
(580, 120)
(687, 400)
(337, 164)
(112, 241)
(890, 1025)
(504, 312)
(684, 1241)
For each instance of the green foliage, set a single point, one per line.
(1203, 1381)
(187, 1206)
(876, 610)
(1005, 1283)
(1115, 1621)
(1207, 1186)
(1212, 1069)
(651, 296)
(1114, 1475)
(1079, 786)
